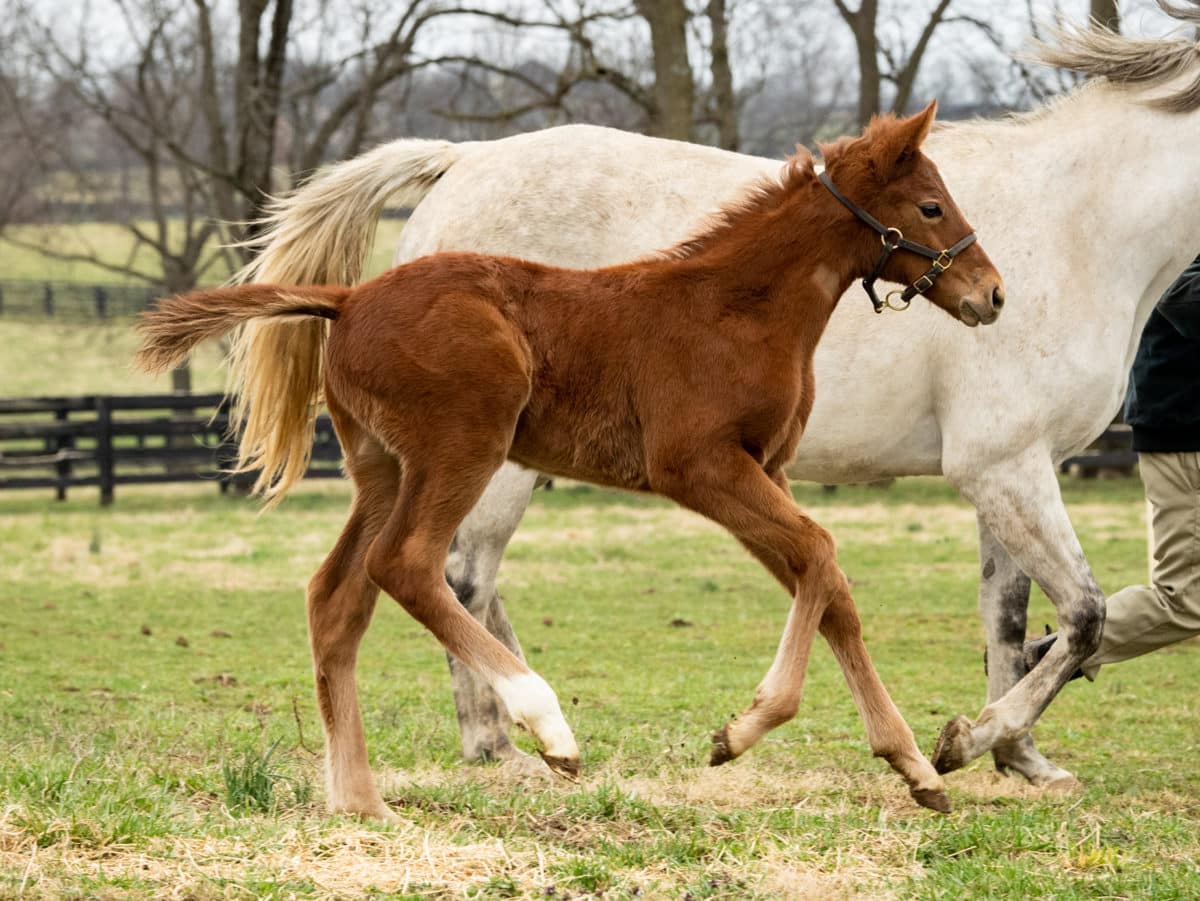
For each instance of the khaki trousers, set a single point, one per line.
(1143, 618)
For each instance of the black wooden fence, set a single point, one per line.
(1112, 451)
(107, 440)
(31, 299)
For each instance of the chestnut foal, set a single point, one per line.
(688, 374)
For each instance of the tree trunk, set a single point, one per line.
(258, 89)
(1107, 13)
(724, 101)
(862, 24)
(906, 78)
(674, 88)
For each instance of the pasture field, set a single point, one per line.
(60, 357)
(159, 738)
(109, 242)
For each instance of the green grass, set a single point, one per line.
(59, 357)
(158, 732)
(111, 243)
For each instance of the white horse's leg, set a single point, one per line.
(1003, 605)
(1021, 506)
(471, 571)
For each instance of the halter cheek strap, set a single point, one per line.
(893, 239)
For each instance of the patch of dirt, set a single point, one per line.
(343, 861)
(70, 559)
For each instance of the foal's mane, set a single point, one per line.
(763, 196)
(1133, 62)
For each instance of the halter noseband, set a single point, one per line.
(893, 239)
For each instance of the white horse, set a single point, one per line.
(1089, 207)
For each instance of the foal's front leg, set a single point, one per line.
(733, 490)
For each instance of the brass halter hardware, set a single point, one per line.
(893, 239)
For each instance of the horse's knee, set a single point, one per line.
(1083, 624)
(815, 556)
(466, 582)
(819, 543)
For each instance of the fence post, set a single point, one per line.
(65, 442)
(101, 302)
(104, 450)
(48, 300)
(1, 299)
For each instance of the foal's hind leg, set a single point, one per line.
(437, 489)
(341, 600)
(733, 490)
(888, 734)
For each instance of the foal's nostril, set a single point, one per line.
(997, 297)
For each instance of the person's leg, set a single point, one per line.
(1143, 618)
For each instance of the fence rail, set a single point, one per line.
(101, 441)
(1112, 451)
(31, 299)
(107, 440)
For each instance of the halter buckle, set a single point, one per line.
(944, 261)
(922, 288)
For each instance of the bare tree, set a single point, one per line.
(147, 102)
(674, 85)
(17, 157)
(661, 87)
(724, 101)
(197, 116)
(656, 76)
(878, 62)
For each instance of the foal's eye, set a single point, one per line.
(930, 210)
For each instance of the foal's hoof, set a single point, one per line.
(567, 767)
(721, 752)
(933, 798)
(953, 746)
(375, 810)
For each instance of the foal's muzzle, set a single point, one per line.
(984, 311)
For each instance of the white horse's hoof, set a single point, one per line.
(953, 746)
(1060, 785)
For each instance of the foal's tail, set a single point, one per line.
(321, 234)
(179, 323)
(171, 330)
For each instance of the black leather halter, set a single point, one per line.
(893, 239)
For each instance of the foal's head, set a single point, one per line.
(885, 173)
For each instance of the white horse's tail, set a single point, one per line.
(322, 235)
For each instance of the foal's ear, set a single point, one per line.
(896, 142)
